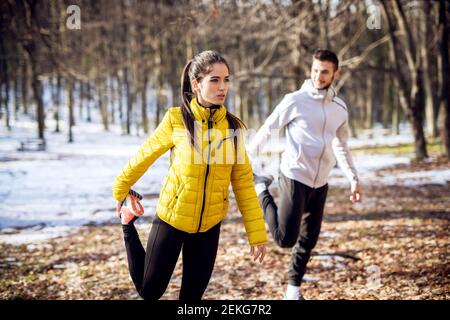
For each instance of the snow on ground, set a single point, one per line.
(69, 185)
(46, 194)
(378, 136)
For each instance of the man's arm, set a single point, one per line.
(279, 118)
(345, 160)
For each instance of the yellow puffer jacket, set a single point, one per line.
(194, 196)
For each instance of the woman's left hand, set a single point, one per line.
(258, 251)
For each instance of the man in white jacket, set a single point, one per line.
(316, 123)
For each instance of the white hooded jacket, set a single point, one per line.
(316, 124)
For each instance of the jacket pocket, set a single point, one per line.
(225, 200)
(176, 196)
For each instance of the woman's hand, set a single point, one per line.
(258, 251)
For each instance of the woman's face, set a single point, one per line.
(212, 88)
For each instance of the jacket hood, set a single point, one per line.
(309, 88)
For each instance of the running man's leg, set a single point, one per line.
(309, 233)
(284, 220)
(199, 256)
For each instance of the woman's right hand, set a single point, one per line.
(258, 251)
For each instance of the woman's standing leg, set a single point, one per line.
(151, 270)
(163, 249)
(199, 257)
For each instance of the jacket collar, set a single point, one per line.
(202, 113)
(327, 94)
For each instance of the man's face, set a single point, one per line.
(323, 73)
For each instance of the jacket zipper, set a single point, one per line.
(323, 131)
(207, 169)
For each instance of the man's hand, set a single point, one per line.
(118, 207)
(356, 190)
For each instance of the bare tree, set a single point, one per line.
(411, 92)
(425, 39)
(445, 70)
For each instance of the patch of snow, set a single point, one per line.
(310, 278)
(30, 235)
(48, 194)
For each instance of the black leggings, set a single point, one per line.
(296, 221)
(151, 270)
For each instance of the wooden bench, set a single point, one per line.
(32, 145)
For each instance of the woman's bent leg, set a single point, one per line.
(135, 254)
(163, 248)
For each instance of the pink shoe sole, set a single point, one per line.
(129, 214)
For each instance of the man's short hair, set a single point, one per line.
(326, 55)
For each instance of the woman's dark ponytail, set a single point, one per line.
(234, 123)
(186, 96)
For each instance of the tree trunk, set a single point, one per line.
(387, 101)
(144, 104)
(445, 88)
(6, 102)
(1, 99)
(106, 104)
(88, 103)
(159, 82)
(413, 102)
(395, 100)
(56, 97)
(268, 101)
(416, 117)
(240, 99)
(189, 47)
(237, 98)
(4, 83)
(161, 99)
(16, 96)
(81, 94)
(424, 52)
(112, 98)
(395, 112)
(69, 92)
(369, 103)
(119, 98)
(129, 101)
(258, 106)
(24, 86)
(37, 91)
(244, 105)
(360, 98)
(323, 19)
(102, 104)
(250, 111)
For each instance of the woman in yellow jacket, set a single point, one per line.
(207, 152)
